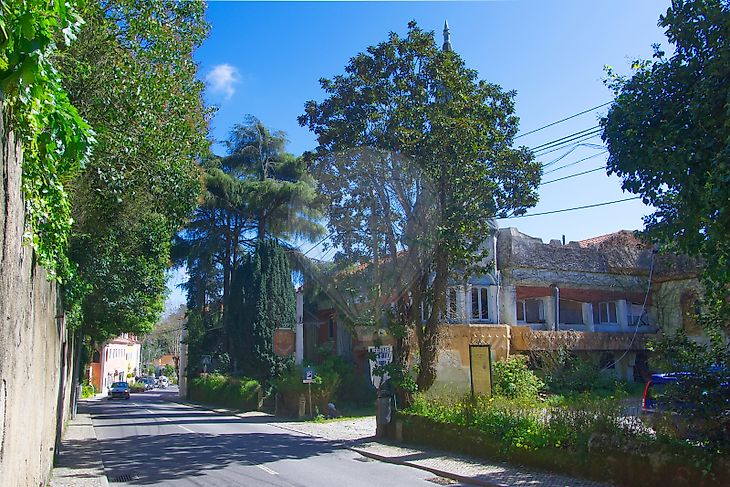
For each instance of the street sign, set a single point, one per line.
(383, 356)
(205, 359)
(309, 375)
(480, 367)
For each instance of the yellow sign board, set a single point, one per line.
(480, 365)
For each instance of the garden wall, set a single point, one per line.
(35, 350)
(621, 464)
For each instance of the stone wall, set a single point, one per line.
(34, 347)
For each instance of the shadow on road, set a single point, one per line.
(152, 459)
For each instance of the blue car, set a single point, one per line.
(118, 390)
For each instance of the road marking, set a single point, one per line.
(169, 420)
(267, 469)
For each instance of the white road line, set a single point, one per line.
(169, 420)
(267, 469)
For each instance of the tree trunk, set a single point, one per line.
(428, 338)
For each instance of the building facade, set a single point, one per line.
(114, 360)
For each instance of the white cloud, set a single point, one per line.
(223, 79)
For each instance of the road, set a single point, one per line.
(149, 440)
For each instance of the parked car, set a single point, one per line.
(164, 382)
(118, 390)
(149, 383)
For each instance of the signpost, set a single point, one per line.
(480, 369)
(205, 360)
(383, 356)
(308, 376)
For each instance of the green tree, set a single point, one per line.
(415, 156)
(133, 78)
(262, 300)
(667, 136)
(258, 191)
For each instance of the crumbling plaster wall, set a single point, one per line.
(33, 349)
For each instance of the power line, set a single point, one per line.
(564, 119)
(570, 209)
(555, 169)
(553, 142)
(319, 242)
(574, 142)
(573, 175)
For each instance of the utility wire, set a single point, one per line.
(574, 142)
(317, 244)
(564, 119)
(573, 175)
(553, 142)
(555, 169)
(570, 209)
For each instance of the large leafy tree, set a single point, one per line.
(668, 136)
(262, 299)
(415, 155)
(258, 191)
(132, 76)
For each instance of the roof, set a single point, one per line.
(620, 238)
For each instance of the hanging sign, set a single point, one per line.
(383, 355)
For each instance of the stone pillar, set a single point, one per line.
(299, 348)
(550, 313)
(622, 312)
(508, 305)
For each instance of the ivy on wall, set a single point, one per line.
(56, 141)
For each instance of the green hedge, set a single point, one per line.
(222, 390)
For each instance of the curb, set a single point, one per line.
(435, 471)
(365, 453)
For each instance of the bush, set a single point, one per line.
(239, 393)
(138, 387)
(529, 424)
(513, 379)
(289, 386)
(87, 390)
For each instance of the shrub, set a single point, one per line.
(513, 379)
(239, 393)
(528, 424)
(290, 386)
(138, 387)
(87, 390)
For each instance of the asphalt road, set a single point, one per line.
(148, 440)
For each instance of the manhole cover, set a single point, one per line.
(122, 478)
(441, 481)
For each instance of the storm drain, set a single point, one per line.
(126, 477)
(442, 481)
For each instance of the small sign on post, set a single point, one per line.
(205, 360)
(308, 376)
(480, 368)
(383, 355)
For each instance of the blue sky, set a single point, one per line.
(265, 59)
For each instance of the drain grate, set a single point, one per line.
(122, 478)
(442, 481)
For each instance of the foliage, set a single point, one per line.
(136, 387)
(667, 138)
(133, 77)
(239, 393)
(56, 140)
(257, 192)
(262, 300)
(170, 372)
(565, 373)
(527, 424)
(324, 388)
(513, 379)
(87, 390)
(415, 157)
(702, 392)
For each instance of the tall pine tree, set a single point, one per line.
(261, 300)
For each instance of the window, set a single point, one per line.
(605, 313)
(571, 312)
(331, 327)
(479, 303)
(530, 311)
(637, 315)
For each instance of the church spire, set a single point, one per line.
(447, 36)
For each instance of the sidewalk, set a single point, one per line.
(79, 461)
(358, 435)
